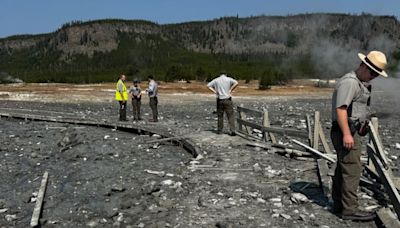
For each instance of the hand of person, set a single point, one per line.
(348, 142)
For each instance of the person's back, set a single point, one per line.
(222, 86)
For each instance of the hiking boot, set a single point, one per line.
(359, 216)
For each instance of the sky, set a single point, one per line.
(43, 16)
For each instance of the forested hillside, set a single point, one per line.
(265, 47)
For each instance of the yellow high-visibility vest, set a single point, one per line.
(124, 92)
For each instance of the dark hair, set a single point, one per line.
(150, 77)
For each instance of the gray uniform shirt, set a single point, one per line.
(153, 88)
(135, 91)
(347, 90)
(222, 85)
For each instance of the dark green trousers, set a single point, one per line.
(136, 103)
(347, 174)
(153, 106)
(225, 106)
(122, 110)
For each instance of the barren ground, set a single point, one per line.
(105, 179)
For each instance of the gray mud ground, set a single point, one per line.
(101, 181)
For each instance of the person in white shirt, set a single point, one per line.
(223, 86)
(152, 91)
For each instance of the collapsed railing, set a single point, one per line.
(377, 165)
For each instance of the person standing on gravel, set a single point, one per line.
(121, 95)
(223, 86)
(152, 91)
(350, 113)
(136, 94)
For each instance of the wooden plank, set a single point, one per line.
(378, 146)
(39, 201)
(388, 218)
(243, 118)
(266, 123)
(246, 136)
(324, 179)
(253, 112)
(323, 140)
(387, 182)
(370, 167)
(316, 131)
(309, 129)
(326, 157)
(283, 131)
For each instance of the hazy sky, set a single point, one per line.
(43, 16)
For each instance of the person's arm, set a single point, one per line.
(212, 89)
(342, 119)
(234, 85)
(210, 86)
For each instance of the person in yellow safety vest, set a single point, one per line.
(121, 95)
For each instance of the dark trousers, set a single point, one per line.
(225, 105)
(122, 110)
(347, 174)
(153, 106)
(136, 103)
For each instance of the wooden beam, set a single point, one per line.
(39, 201)
(388, 218)
(283, 131)
(309, 129)
(243, 118)
(326, 157)
(387, 182)
(370, 167)
(266, 123)
(316, 131)
(378, 146)
(323, 140)
(253, 112)
(324, 179)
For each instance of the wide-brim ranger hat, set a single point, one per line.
(376, 61)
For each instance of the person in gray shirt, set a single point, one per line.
(350, 112)
(152, 91)
(136, 94)
(223, 86)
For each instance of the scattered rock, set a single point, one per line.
(10, 218)
(257, 168)
(298, 198)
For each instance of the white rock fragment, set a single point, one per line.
(257, 168)
(260, 200)
(106, 136)
(3, 210)
(159, 173)
(286, 216)
(275, 215)
(10, 218)
(398, 146)
(275, 200)
(167, 182)
(298, 198)
(199, 157)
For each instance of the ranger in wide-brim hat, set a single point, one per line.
(350, 114)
